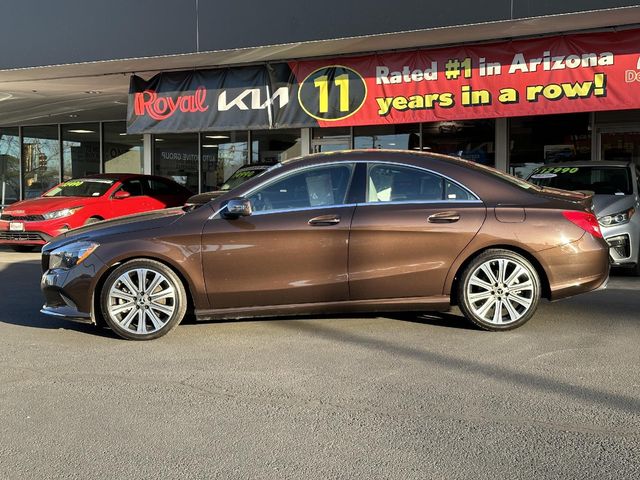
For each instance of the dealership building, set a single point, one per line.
(192, 90)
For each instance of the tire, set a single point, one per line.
(501, 279)
(92, 220)
(132, 312)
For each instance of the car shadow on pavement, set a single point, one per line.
(437, 319)
(21, 300)
(480, 369)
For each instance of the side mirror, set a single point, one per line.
(238, 207)
(120, 194)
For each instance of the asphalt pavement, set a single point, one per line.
(400, 397)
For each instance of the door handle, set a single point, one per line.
(324, 220)
(444, 217)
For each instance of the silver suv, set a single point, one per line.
(616, 201)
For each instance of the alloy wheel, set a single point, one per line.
(501, 291)
(142, 301)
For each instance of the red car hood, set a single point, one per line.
(40, 205)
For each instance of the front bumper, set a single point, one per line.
(70, 293)
(34, 232)
(624, 243)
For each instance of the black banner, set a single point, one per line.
(223, 99)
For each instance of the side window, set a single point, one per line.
(312, 187)
(453, 191)
(134, 187)
(391, 183)
(158, 187)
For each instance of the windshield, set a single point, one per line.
(242, 175)
(81, 188)
(600, 180)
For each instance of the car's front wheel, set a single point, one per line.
(143, 299)
(499, 290)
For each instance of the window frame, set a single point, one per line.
(372, 163)
(284, 175)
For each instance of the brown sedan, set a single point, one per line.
(358, 231)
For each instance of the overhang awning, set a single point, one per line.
(98, 90)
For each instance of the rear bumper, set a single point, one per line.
(578, 267)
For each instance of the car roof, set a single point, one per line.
(364, 154)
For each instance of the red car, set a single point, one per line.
(74, 203)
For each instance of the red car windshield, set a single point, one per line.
(242, 175)
(83, 187)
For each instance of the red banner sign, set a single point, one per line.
(571, 73)
(562, 74)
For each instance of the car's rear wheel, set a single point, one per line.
(143, 299)
(499, 290)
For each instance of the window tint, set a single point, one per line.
(134, 187)
(158, 187)
(390, 183)
(310, 188)
(454, 191)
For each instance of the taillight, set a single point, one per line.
(586, 221)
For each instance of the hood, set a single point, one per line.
(610, 204)
(120, 225)
(203, 198)
(41, 205)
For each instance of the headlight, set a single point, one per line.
(616, 218)
(69, 256)
(65, 212)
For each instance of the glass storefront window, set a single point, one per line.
(469, 139)
(222, 154)
(542, 139)
(40, 159)
(331, 139)
(621, 145)
(80, 150)
(393, 137)
(176, 156)
(122, 153)
(9, 165)
(272, 146)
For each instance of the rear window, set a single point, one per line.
(600, 180)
